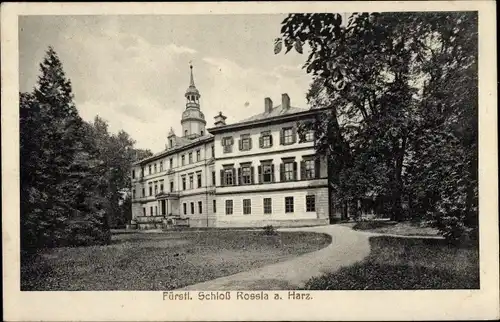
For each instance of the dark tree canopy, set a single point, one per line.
(401, 123)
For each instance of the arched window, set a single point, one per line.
(185, 132)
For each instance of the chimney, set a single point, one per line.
(268, 104)
(285, 101)
(220, 120)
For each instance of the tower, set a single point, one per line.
(193, 121)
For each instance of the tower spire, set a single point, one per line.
(191, 83)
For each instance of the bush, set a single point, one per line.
(269, 230)
(368, 225)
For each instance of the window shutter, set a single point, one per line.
(282, 137)
(282, 171)
(294, 134)
(260, 173)
(222, 179)
(240, 144)
(295, 171)
(261, 142)
(270, 140)
(250, 143)
(232, 140)
(302, 170)
(239, 176)
(251, 175)
(317, 165)
(222, 142)
(234, 176)
(272, 173)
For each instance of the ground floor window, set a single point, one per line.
(247, 206)
(288, 204)
(229, 207)
(200, 207)
(311, 203)
(268, 206)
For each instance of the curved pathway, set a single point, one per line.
(348, 247)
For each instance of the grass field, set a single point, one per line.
(161, 261)
(394, 228)
(407, 264)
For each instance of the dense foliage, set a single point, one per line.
(69, 184)
(400, 126)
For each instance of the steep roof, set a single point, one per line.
(276, 111)
(180, 144)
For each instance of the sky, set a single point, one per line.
(133, 70)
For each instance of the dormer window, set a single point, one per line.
(170, 143)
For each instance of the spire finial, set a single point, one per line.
(191, 83)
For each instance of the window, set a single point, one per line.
(198, 155)
(308, 171)
(161, 166)
(171, 163)
(183, 159)
(311, 203)
(229, 207)
(265, 140)
(142, 172)
(213, 178)
(150, 169)
(268, 206)
(309, 136)
(288, 170)
(246, 175)
(156, 210)
(161, 185)
(227, 143)
(185, 132)
(170, 143)
(191, 181)
(184, 208)
(184, 183)
(150, 189)
(171, 186)
(151, 210)
(228, 177)
(133, 174)
(200, 207)
(247, 206)
(266, 173)
(133, 193)
(214, 206)
(201, 132)
(287, 136)
(143, 192)
(144, 211)
(156, 188)
(288, 204)
(198, 177)
(155, 167)
(190, 157)
(245, 142)
(213, 152)
(192, 208)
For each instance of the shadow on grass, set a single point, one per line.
(406, 264)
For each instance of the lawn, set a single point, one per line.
(406, 264)
(396, 228)
(162, 261)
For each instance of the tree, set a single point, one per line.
(393, 81)
(54, 161)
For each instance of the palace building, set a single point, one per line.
(253, 173)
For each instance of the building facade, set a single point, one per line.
(253, 173)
